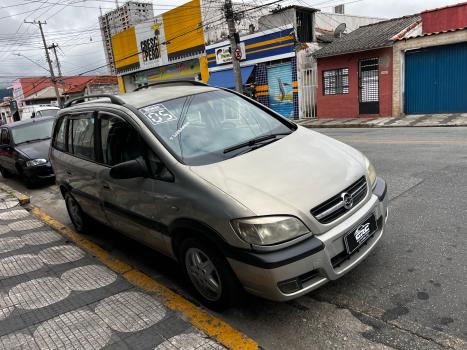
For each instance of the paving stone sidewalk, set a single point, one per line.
(53, 295)
(425, 120)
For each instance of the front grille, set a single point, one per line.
(334, 208)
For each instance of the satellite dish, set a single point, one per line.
(339, 30)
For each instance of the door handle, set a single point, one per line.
(106, 187)
(69, 172)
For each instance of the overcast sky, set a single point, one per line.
(76, 29)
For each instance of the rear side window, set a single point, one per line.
(81, 137)
(59, 140)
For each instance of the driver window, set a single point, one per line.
(120, 141)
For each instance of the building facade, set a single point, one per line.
(430, 67)
(169, 46)
(268, 68)
(5, 111)
(283, 71)
(40, 90)
(355, 72)
(120, 19)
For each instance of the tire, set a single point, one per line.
(229, 291)
(79, 219)
(29, 183)
(5, 173)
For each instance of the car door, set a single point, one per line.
(79, 164)
(133, 206)
(7, 151)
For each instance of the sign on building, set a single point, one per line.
(150, 39)
(224, 53)
(172, 37)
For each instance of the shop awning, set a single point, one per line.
(225, 78)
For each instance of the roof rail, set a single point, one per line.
(166, 82)
(113, 99)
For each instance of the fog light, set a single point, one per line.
(289, 286)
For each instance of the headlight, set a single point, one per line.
(371, 171)
(269, 229)
(35, 162)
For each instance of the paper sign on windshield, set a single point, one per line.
(157, 114)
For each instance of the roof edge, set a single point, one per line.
(356, 51)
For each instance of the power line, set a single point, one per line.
(52, 75)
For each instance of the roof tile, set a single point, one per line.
(369, 37)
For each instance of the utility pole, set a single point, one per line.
(52, 75)
(53, 47)
(233, 37)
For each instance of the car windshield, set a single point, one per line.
(48, 112)
(37, 130)
(212, 126)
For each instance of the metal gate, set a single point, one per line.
(280, 89)
(368, 86)
(436, 80)
(307, 93)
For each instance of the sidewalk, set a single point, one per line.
(422, 120)
(54, 295)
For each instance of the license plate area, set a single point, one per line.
(357, 236)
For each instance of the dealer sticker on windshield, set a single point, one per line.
(157, 114)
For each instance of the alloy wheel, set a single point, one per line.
(75, 212)
(203, 274)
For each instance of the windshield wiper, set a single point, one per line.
(34, 140)
(254, 141)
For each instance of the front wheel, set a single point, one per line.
(210, 275)
(78, 217)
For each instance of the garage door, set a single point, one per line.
(436, 79)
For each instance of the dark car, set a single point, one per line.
(24, 149)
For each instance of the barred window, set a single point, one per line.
(336, 81)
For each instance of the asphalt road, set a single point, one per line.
(411, 293)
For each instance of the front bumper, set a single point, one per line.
(297, 270)
(39, 172)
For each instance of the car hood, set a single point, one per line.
(298, 172)
(34, 150)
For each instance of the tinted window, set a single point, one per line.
(35, 131)
(81, 137)
(120, 141)
(60, 141)
(199, 128)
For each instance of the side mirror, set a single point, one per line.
(129, 170)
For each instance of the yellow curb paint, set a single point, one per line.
(23, 199)
(212, 326)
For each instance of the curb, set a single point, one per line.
(345, 126)
(22, 198)
(212, 326)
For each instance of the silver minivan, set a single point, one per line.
(241, 197)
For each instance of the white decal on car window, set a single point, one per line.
(158, 114)
(178, 131)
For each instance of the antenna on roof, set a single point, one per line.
(339, 30)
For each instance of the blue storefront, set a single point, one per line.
(268, 65)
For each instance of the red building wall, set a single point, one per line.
(346, 105)
(446, 18)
